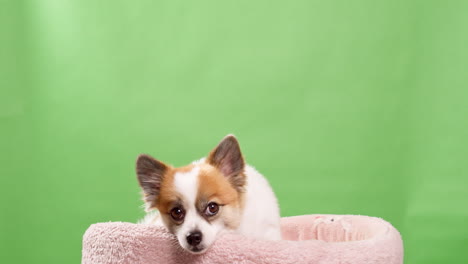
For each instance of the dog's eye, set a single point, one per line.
(177, 213)
(212, 209)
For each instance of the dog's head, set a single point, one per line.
(199, 200)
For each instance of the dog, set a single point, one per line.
(199, 201)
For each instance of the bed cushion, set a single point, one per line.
(335, 239)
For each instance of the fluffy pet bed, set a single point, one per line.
(335, 239)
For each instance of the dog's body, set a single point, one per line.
(214, 194)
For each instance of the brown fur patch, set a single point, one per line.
(168, 196)
(215, 187)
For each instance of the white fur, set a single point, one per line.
(187, 184)
(151, 218)
(261, 218)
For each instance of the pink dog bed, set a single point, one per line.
(334, 239)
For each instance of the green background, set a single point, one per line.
(348, 107)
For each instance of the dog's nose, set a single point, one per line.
(194, 238)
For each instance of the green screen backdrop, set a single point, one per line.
(347, 107)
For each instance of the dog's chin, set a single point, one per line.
(196, 250)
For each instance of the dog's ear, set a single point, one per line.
(227, 157)
(150, 173)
